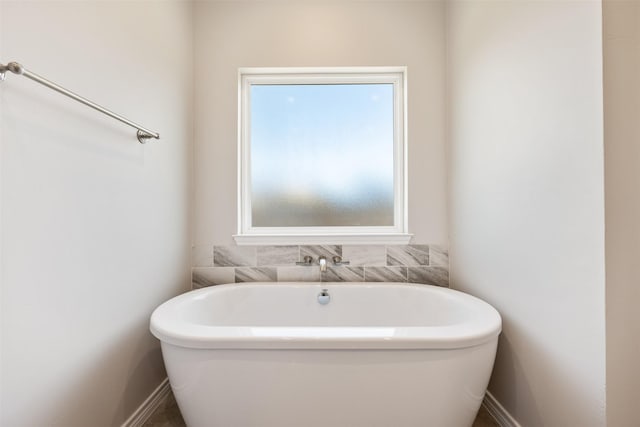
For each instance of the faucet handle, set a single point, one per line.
(337, 261)
(306, 261)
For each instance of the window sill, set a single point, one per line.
(319, 239)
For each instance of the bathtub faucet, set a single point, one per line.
(323, 263)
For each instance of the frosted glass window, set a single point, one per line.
(322, 152)
(322, 155)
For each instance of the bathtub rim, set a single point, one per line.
(459, 335)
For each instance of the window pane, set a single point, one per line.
(322, 155)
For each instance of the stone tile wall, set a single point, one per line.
(214, 265)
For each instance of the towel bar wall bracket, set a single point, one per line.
(143, 134)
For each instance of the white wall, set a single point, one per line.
(526, 197)
(275, 33)
(622, 184)
(95, 226)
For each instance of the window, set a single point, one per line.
(322, 155)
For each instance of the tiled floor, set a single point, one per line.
(168, 415)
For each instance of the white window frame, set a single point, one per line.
(396, 234)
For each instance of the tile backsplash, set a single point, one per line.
(215, 265)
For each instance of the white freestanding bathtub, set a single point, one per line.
(383, 354)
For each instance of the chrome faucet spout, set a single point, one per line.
(323, 263)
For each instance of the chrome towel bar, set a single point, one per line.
(143, 134)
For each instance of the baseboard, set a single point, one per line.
(497, 411)
(149, 406)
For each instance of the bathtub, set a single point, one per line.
(373, 355)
